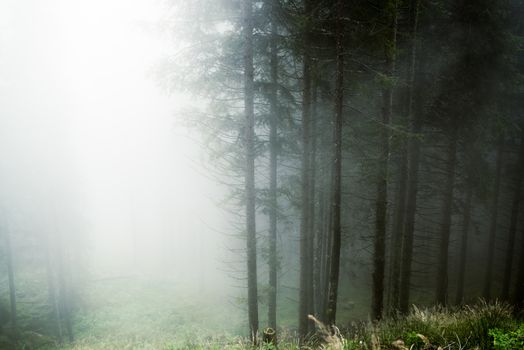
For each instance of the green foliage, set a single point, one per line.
(469, 326)
(352, 344)
(414, 340)
(513, 339)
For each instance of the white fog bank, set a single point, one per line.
(85, 129)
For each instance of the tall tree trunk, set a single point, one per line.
(319, 256)
(53, 299)
(493, 223)
(250, 170)
(273, 149)
(513, 222)
(64, 287)
(326, 238)
(322, 223)
(312, 196)
(331, 310)
(443, 256)
(413, 151)
(305, 283)
(11, 277)
(518, 297)
(464, 242)
(328, 247)
(397, 231)
(379, 255)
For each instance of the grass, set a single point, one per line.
(148, 314)
(463, 328)
(161, 315)
(470, 327)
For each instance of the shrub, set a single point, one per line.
(465, 328)
(503, 340)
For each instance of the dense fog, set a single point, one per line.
(94, 151)
(93, 147)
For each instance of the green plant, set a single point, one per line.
(413, 340)
(503, 340)
(353, 344)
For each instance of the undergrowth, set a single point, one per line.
(123, 316)
(481, 326)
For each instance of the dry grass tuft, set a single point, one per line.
(330, 336)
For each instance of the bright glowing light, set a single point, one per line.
(80, 71)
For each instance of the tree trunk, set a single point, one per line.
(312, 197)
(64, 288)
(518, 298)
(11, 277)
(269, 337)
(328, 247)
(513, 222)
(325, 240)
(493, 223)
(319, 257)
(396, 236)
(331, 309)
(273, 149)
(413, 151)
(443, 256)
(464, 243)
(250, 170)
(379, 255)
(305, 283)
(53, 300)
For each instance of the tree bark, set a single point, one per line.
(379, 256)
(397, 232)
(443, 256)
(319, 257)
(464, 243)
(331, 309)
(250, 170)
(518, 298)
(513, 222)
(11, 277)
(413, 151)
(269, 336)
(53, 300)
(273, 149)
(64, 288)
(312, 196)
(305, 283)
(493, 223)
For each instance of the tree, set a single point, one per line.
(471, 155)
(379, 255)
(413, 150)
(273, 149)
(493, 223)
(305, 256)
(447, 211)
(51, 285)
(508, 264)
(334, 268)
(10, 276)
(250, 169)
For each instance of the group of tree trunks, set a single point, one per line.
(405, 106)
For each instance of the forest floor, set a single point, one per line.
(132, 313)
(191, 327)
(138, 313)
(477, 327)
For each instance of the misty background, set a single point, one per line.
(93, 147)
